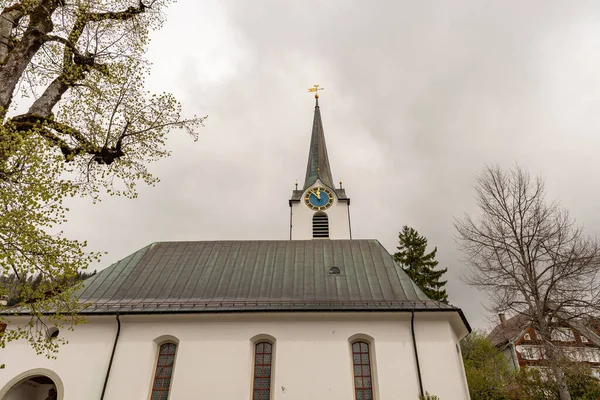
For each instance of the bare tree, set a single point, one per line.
(530, 257)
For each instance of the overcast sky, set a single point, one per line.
(419, 95)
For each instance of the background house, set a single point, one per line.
(522, 347)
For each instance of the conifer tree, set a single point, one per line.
(419, 266)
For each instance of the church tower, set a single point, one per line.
(319, 210)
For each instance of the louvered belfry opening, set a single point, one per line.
(320, 226)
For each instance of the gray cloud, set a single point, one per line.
(419, 95)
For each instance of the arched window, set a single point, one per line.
(164, 371)
(261, 388)
(37, 383)
(363, 384)
(320, 226)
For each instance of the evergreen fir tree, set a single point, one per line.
(11, 283)
(420, 267)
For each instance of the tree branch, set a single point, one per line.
(75, 64)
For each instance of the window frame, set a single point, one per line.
(159, 342)
(562, 334)
(532, 353)
(372, 364)
(254, 342)
(593, 354)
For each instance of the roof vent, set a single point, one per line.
(334, 271)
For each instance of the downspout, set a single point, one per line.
(414, 340)
(112, 356)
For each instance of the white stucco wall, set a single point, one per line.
(339, 222)
(312, 356)
(81, 364)
(433, 345)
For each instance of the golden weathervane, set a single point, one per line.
(315, 89)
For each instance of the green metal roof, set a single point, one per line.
(223, 276)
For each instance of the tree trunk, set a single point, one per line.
(561, 383)
(554, 357)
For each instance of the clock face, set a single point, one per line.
(318, 198)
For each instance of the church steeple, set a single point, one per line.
(318, 161)
(319, 210)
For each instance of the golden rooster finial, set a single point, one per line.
(315, 89)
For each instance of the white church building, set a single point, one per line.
(321, 316)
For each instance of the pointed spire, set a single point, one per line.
(318, 161)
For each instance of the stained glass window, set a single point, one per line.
(164, 371)
(363, 385)
(261, 389)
